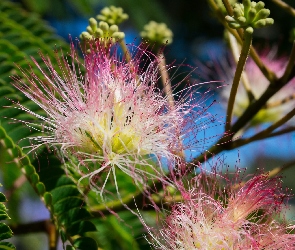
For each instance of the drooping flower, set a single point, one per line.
(113, 116)
(239, 215)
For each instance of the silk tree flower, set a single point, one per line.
(277, 106)
(231, 215)
(111, 118)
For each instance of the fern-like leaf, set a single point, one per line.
(5, 231)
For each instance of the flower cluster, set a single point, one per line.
(113, 116)
(235, 216)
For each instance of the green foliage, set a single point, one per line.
(66, 204)
(5, 231)
(21, 36)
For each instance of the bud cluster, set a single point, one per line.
(102, 31)
(107, 29)
(249, 14)
(112, 15)
(157, 33)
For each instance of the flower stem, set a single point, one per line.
(228, 7)
(240, 67)
(244, 78)
(126, 52)
(128, 58)
(166, 82)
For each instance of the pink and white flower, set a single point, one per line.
(218, 213)
(113, 115)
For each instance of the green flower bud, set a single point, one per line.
(89, 30)
(98, 33)
(263, 22)
(249, 14)
(85, 36)
(103, 31)
(157, 33)
(118, 35)
(114, 28)
(112, 15)
(104, 26)
(93, 23)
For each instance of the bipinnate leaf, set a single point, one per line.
(23, 35)
(5, 231)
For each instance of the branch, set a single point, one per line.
(239, 70)
(278, 170)
(285, 7)
(266, 132)
(45, 226)
(236, 51)
(166, 82)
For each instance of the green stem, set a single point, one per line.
(166, 83)
(128, 58)
(235, 49)
(126, 52)
(240, 67)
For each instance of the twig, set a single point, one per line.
(240, 67)
(166, 82)
(278, 170)
(244, 78)
(274, 126)
(228, 7)
(285, 6)
(44, 226)
(280, 102)
(125, 50)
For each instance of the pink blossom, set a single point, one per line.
(218, 213)
(113, 116)
(277, 106)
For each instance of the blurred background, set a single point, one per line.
(197, 36)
